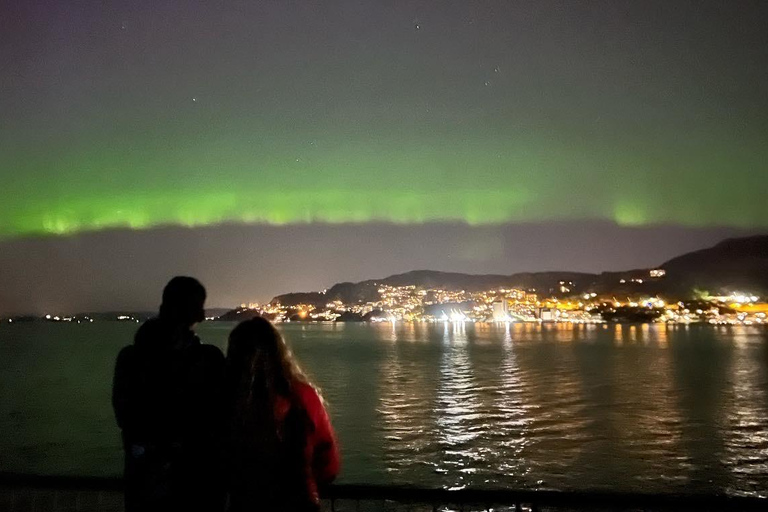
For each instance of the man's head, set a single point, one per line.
(183, 301)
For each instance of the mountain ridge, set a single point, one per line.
(731, 263)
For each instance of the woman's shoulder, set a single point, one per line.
(306, 391)
(309, 397)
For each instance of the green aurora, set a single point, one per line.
(477, 182)
(450, 123)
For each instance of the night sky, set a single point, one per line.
(346, 140)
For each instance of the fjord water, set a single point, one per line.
(622, 407)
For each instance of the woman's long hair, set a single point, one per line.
(262, 370)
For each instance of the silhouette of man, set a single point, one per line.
(168, 400)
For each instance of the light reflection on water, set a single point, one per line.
(622, 407)
(457, 410)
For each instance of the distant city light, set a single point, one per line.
(411, 303)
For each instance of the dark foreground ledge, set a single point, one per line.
(22, 493)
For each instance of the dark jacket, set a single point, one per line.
(168, 397)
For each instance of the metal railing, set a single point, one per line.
(491, 499)
(25, 493)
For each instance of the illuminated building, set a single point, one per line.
(500, 311)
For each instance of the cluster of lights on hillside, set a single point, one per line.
(417, 304)
(410, 303)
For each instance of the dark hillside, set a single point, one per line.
(734, 264)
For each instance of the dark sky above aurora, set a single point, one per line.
(457, 126)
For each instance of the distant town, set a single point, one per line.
(410, 303)
(723, 285)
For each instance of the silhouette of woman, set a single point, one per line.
(282, 445)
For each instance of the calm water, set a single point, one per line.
(648, 408)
